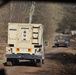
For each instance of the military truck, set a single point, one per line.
(25, 42)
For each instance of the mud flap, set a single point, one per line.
(39, 62)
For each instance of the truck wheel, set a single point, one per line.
(9, 63)
(39, 62)
(67, 45)
(42, 61)
(56, 45)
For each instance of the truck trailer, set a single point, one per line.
(25, 42)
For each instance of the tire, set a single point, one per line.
(56, 45)
(67, 45)
(9, 63)
(42, 61)
(39, 62)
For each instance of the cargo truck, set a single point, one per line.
(25, 42)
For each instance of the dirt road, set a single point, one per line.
(57, 62)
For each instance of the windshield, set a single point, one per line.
(61, 37)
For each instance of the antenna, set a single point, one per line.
(32, 9)
(12, 9)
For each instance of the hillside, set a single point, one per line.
(54, 16)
